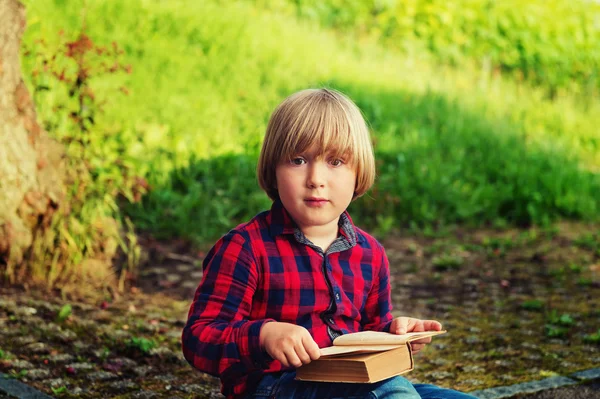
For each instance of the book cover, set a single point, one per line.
(366, 356)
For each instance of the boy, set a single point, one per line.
(289, 281)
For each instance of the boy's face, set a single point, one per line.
(315, 189)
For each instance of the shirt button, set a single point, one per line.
(337, 296)
(330, 320)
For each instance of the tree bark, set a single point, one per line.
(31, 164)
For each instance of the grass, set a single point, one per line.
(455, 146)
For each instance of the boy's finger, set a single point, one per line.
(312, 348)
(432, 325)
(293, 359)
(302, 355)
(414, 348)
(402, 325)
(416, 325)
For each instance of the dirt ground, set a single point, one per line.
(519, 305)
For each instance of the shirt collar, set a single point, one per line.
(280, 222)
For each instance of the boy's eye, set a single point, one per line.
(336, 162)
(297, 161)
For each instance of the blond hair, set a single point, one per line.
(324, 118)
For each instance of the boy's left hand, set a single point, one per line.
(402, 325)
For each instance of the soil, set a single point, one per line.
(519, 305)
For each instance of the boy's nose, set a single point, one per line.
(316, 175)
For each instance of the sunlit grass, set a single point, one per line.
(460, 145)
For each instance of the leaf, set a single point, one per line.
(64, 313)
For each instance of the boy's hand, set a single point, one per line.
(402, 325)
(292, 345)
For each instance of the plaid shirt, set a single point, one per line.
(267, 270)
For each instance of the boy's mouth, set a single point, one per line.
(315, 201)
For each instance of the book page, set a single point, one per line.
(344, 350)
(381, 338)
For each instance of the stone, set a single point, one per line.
(191, 388)
(118, 334)
(188, 284)
(183, 267)
(120, 386)
(144, 395)
(81, 366)
(441, 375)
(66, 335)
(142, 370)
(533, 356)
(472, 355)
(529, 345)
(25, 311)
(37, 374)
(503, 363)
(101, 376)
(123, 361)
(34, 321)
(472, 340)
(473, 382)
(473, 369)
(80, 346)
(8, 305)
(165, 377)
(100, 353)
(590, 374)
(438, 361)
(164, 352)
(61, 358)
(39, 348)
(15, 388)
(197, 275)
(173, 278)
(525, 387)
(158, 270)
(21, 364)
(22, 341)
(58, 382)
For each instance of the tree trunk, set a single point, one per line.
(31, 166)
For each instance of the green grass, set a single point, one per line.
(455, 146)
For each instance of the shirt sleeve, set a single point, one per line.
(219, 338)
(378, 306)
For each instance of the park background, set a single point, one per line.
(485, 119)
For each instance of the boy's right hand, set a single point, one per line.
(292, 345)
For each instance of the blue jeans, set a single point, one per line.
(284, 386)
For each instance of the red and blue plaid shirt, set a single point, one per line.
(267, 270)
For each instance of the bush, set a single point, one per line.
(550, 42)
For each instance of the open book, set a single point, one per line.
(366, 356)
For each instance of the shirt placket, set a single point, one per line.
(334, 292)
(340, 244)
(335, 296)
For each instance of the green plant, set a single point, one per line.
(563, 320)
(447, 262)
(16, 375)
(593, 338)
(142, 344)
(553, 331)
(64, 313)
(59, 390)
(551, 43)
(454, 145)
(85, 235)
(589, 241)
(533, 304)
